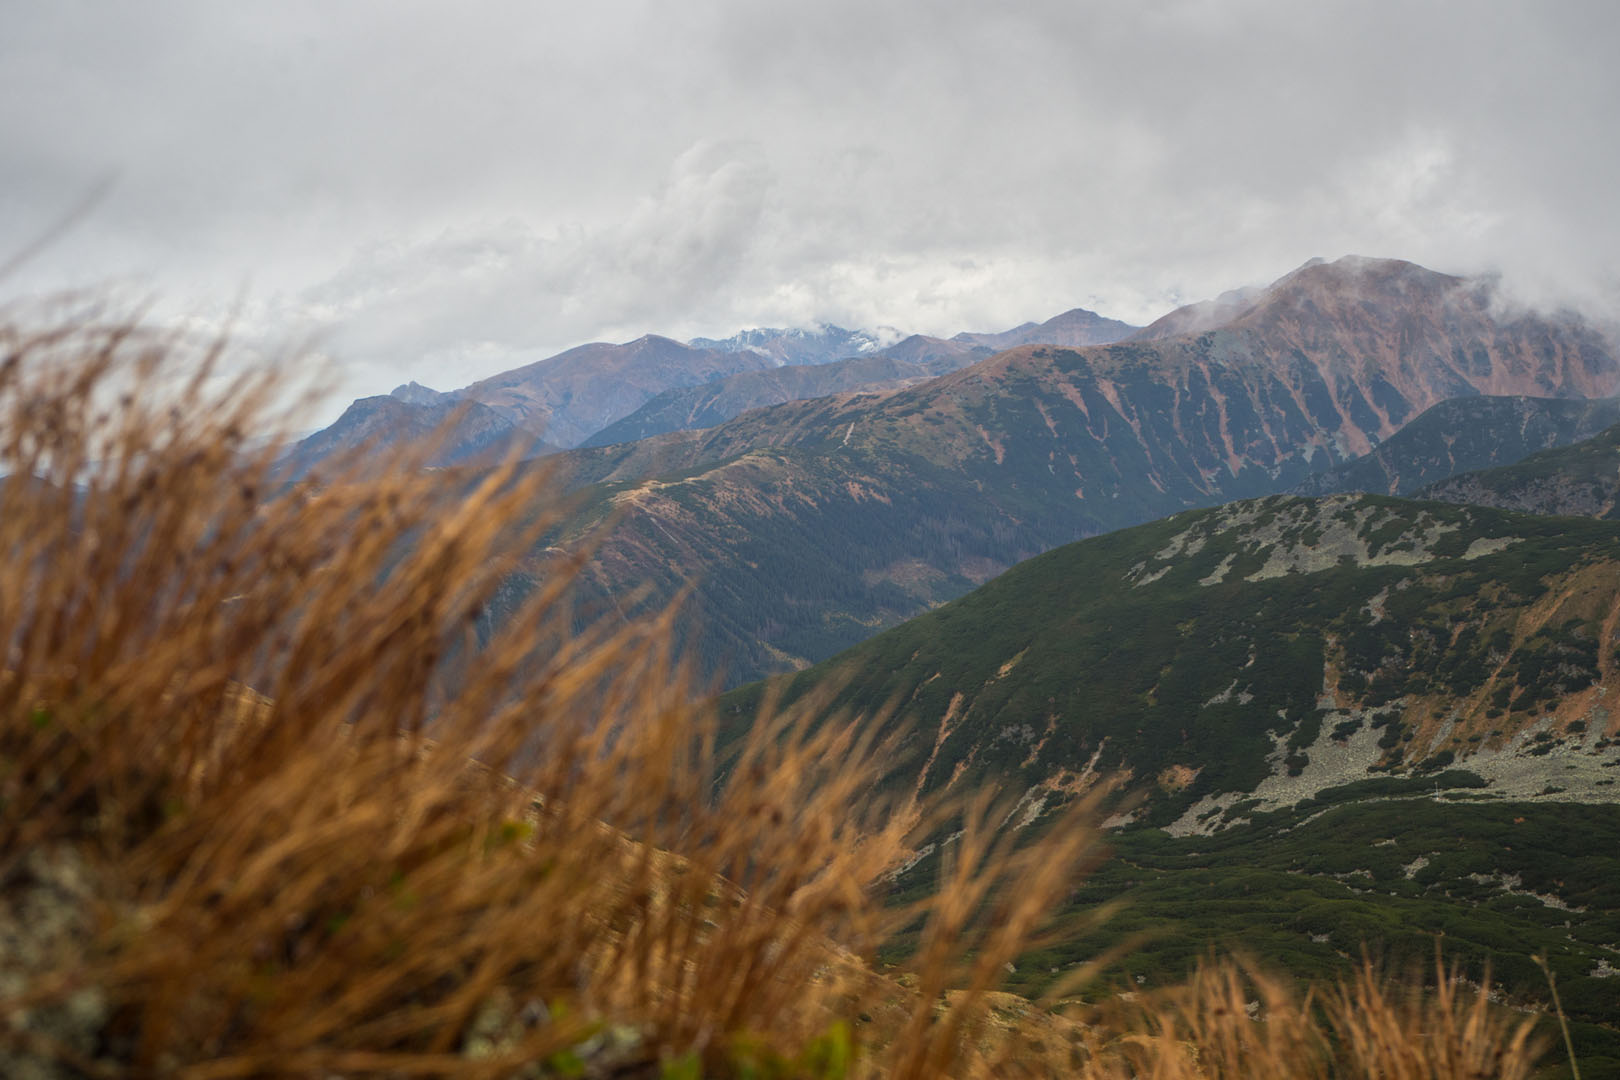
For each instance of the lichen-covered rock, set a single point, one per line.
(45, 922)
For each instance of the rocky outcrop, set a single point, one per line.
(46, 920)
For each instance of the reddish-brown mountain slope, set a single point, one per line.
(572, 395)
(1075, 327)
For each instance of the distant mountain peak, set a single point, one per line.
(1350, 270)
(817, 344)
(1075, 328)
(1202, 315)
(1349, 278)
(414, 393)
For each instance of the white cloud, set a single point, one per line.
(450, 191)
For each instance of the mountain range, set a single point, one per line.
(805, 527)
(800, 529)
(1073, 328)
(446, 431)
(568, 399)
(713, 403)
(1256, 654)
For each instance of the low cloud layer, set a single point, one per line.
(440, 193)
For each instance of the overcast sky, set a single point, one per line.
(440, 191)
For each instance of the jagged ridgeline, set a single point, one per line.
(1259, 654)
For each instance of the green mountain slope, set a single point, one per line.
(1492, 884)
(1583, 479)
(1462, 435)
(1349, 720)
(1257, 654)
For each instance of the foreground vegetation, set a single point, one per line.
(276, 801)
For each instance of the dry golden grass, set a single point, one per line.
(267, 808)
(1232, 1020)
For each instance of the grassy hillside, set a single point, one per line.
(1310, 890)
(265, 813)
(1265, 648)
(1343, 721)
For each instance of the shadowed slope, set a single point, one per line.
(1462, 435)
(1582, 479)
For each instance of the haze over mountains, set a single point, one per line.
(908, 361)
(874, 487)
(803, 527)
(713, 403)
